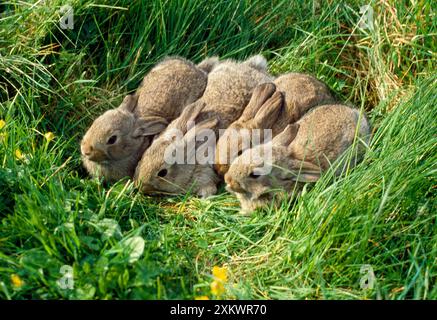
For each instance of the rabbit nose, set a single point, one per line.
(233, 185)
(87, 150)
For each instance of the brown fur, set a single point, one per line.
(169, 87)
(229, 88)
(164, 92)
(300, 92)
(299, 154)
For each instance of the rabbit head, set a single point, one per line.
(297, 155)
(261, 113)
(258, 172)
(160, 172)
(119, 133)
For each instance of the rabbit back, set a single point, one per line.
(169, 87)
(301, 93)
(230, 85)
(326, 132)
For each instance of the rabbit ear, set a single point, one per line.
(259, 96)
(286, 136)
(199, 130)
(149, 126)
(307, 172)
(129, 103)
(304, 176)
(301, 171)
(208, 64)
(257, 62)
(189, 114)
(269, 112)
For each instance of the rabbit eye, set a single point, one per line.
(162, 173)
(239, 153)
(112, 140)
(254, 175)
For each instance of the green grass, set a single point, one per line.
(382, 213)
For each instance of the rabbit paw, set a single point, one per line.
(207, 191)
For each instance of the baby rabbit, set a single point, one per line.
(116, 140)
(298, 155)
(230, 85)
(301, 92)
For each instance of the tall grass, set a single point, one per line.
(381, 214)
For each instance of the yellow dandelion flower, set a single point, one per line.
(220, 273)
(19, 155)
(217, 288)
(2, 123)
(49, 136)
(16, 281)
(201, 298)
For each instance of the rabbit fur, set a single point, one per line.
(299, 154)
(229, 88)
(115, 142)
(300, 92)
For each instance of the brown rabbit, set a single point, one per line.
(116, 140)
(301, 93)
(297, 155)
(230, 85)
